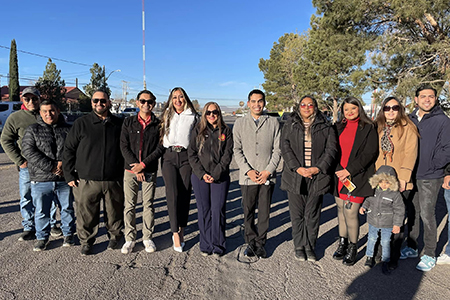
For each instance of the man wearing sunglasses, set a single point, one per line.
(93, 167)
(141, 150)
(257, 152)
(11, 140)
(434, 155)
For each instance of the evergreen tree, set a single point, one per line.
(98, 81)
(51, 86)
(14, 88)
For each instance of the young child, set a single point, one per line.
(385, 213)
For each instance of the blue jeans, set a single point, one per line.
(26, 202)
(385, 242)
(43, 194)
(447, 201)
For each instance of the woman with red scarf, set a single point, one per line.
(358, 141)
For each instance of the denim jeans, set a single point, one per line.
(43, 194)
(447, 201)
(385, 242)
(26, 202)
(424, 208)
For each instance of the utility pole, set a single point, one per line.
(143, 40)
(125, 91)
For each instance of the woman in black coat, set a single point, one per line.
(358, 145)
(309, 147)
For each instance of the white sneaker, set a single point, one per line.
(128, 247)
(150, 246)
(444, 259)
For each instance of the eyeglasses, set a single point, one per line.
(149, 102)
(394, 108)
(214, 112)
(27, 99)
(102, 100)
(303, 105)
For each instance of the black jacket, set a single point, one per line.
(361, 163)
(212, 159)
(92, 149)
(130, 143)
(42, 146)
(323, 151)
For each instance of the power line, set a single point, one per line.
(52, 58)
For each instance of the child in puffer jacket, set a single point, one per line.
(385, 213)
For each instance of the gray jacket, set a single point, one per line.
(385, 209)
(256, 147)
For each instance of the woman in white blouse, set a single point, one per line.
(178, 119)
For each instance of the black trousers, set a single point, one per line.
(176, 172)
(256, 196)
(305, 218)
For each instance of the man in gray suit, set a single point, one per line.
(257, 153)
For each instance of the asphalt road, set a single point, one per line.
(62, 273)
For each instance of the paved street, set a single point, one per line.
(62, 273)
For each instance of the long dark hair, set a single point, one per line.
(169, 110)
(203, 125)
(363, 118)
(400, 121)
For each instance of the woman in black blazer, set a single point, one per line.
(358, 145)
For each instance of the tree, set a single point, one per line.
(279, 71)
(196, 104)
(408, 41)
(14, 88)
(84, 103)
(98, 81)
(51, 86)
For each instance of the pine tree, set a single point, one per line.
(98, 81)
(14, 88)
(51, 86)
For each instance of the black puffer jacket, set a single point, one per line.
(324, 151)
(130, 143)
(212, 159)
(42, 146)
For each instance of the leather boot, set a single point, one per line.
(341, 249)
(350, 257)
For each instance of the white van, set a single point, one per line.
(6, 108)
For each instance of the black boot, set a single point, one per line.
(350, 257)
(341, 249)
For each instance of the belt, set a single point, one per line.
(176, 149)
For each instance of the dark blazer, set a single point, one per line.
(215, 156)
(361, 163)
(92, 149)
(130, 143)
(324, 152)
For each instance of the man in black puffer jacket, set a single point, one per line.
(42, 146)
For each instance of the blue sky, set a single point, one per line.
(210, 48)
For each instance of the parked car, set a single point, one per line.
(6, 108)
(130, 111)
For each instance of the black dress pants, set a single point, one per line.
(176, 172)
(256, 196)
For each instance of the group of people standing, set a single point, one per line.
(104, 158)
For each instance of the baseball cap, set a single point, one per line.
(31, 90)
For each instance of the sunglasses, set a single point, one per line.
(103, 100)
(34, 99)
(303, 105)
(149, 102)
(394, 108)
(214, 112)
